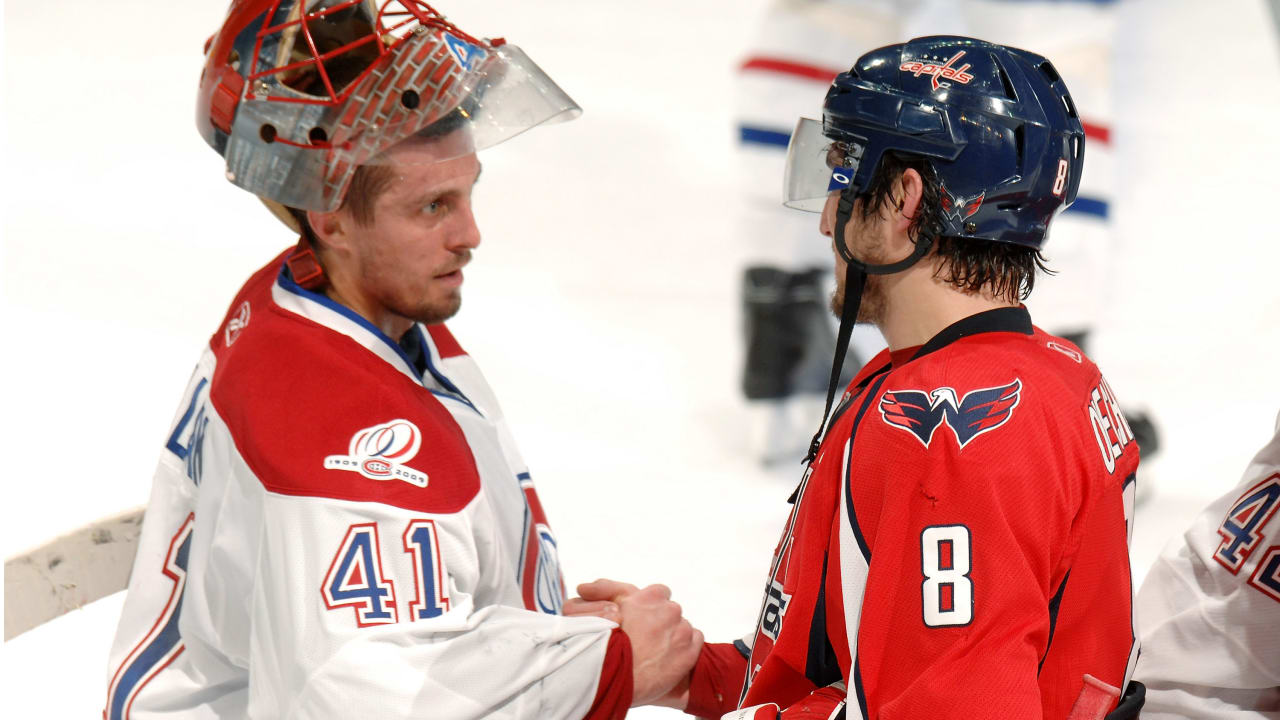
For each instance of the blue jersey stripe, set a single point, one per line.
(165, 642)
(763, 136)
(1090, 206)
(437, 374)
(286, 281)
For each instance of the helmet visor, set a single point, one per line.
(502, 95)
(817, 166)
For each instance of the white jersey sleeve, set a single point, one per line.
(333, 533)
(1209, 608)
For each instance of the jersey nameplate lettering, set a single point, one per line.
(1109, 426)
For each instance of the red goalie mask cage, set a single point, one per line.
(296, 94)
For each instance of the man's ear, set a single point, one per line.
(910, 191)
(330, 228)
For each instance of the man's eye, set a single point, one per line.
(434, 207)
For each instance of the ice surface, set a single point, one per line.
(602, 303)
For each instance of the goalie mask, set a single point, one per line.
(296, 94)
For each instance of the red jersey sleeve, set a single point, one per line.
(716, 680)
(613, 694)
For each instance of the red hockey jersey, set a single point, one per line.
(959, 548)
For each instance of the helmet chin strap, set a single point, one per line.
(855, 282)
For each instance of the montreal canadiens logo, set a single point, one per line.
(380, 453)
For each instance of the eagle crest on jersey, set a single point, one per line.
(920, 412)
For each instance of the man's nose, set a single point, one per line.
(828, 214)
(468, 236)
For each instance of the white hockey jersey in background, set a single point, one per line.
(332, 534)
(1209, 609)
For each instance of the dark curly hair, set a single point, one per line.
(1006, 270)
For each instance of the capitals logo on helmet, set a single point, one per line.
(959, 208)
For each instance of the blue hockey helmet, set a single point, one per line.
(997, 124)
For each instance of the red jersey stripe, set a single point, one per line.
(1101, 133)
(789, 67)
(445, 341)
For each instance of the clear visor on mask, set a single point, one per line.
(503, 95)
(817, 166)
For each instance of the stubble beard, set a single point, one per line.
(871, 309)
(433, 314)
(424, 308)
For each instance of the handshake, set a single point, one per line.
(664, 646)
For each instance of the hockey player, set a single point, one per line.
(798, 48)
(1209, 609)
(958, 544)
(341, 524)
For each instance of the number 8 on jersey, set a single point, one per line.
(947, 590)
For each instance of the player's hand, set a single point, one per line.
(603, 589)
(578, 607)
(664, 646)
(598, 599)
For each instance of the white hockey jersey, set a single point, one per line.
(333, 533)
(1209, 609)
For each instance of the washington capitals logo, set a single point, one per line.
(958, 207)
(935, 71)
(921, 413)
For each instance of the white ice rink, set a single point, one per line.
(603, 302)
